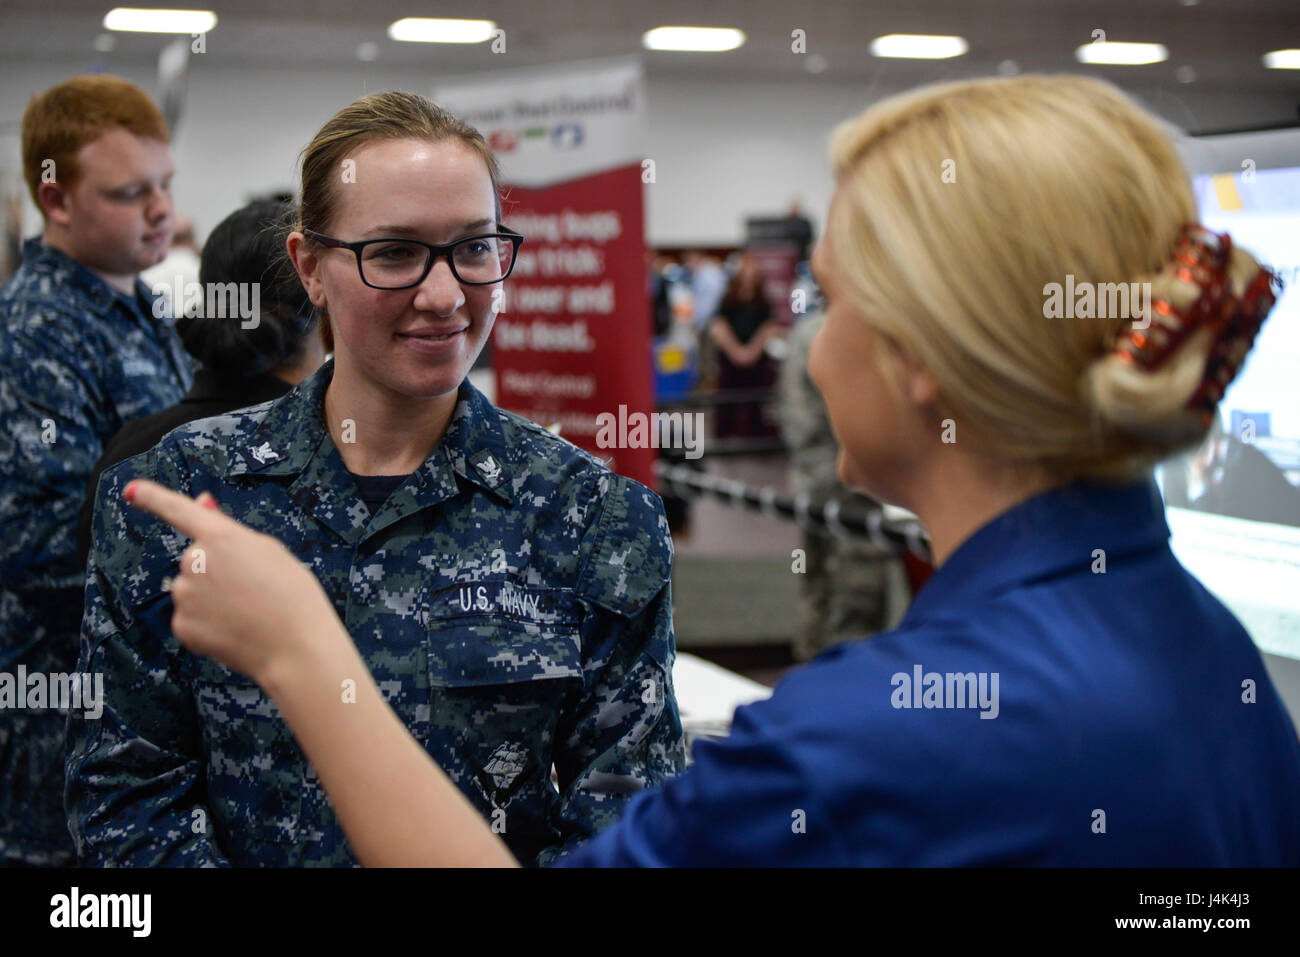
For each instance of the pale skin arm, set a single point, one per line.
(258, 610)
(726, 340)
(766, 332)
(742, 354)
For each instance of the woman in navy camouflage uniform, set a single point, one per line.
(508, 592)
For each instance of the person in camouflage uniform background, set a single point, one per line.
(82, 351)
(845, 587)
(509, 593)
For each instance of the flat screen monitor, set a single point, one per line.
(1233, 505)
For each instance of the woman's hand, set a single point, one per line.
(241, 597)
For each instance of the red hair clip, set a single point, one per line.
(1202, 258)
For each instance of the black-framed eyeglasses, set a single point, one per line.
(402, 263)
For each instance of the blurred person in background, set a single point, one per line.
(708, 285)
(661, 310)
(741, 330)
(1063, 691)
(83, 349)
(238, 366)
(179, 267)
(800, 229)
(1230, 476)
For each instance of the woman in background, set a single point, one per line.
(741, 331)
(1063, 691)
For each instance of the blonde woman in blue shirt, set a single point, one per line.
(1062, 692)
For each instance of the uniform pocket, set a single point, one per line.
(498, 676)
(253, 764)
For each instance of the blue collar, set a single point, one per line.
(293, 433)
(97, 295)
(1055, 532)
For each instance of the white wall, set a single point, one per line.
(723, 150)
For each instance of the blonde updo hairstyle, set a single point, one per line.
(960, 202)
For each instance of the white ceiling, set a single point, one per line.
(1221, 40)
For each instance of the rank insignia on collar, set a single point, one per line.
(264, 454)
(490, 470)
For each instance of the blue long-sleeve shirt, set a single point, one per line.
(1132, 723)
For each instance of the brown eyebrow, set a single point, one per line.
(146, 183)
(395, 230)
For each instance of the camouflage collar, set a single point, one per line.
(293, 438)
(97, 295)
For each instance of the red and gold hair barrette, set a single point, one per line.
(1202, 258)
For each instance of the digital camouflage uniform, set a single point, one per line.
(511, 599)
(77, 360)
(845, 583)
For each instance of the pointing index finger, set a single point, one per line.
(179, 511)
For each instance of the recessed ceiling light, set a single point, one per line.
(1120, 53)
(138, 20)
(693, 39)
(433, 30)
(918, 46)
(1283, 59)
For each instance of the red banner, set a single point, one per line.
(573, 341)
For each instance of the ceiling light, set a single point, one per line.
(918, 46)
(137, 20)
(1283, 59)
(1125, 54)
(693, 39)
(432, 30)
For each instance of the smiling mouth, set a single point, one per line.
(431, 337)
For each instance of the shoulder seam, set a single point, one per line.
(528, 425)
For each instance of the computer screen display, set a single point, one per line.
(1233, 505)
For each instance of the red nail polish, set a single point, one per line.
(210, 502)
(128, 493)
